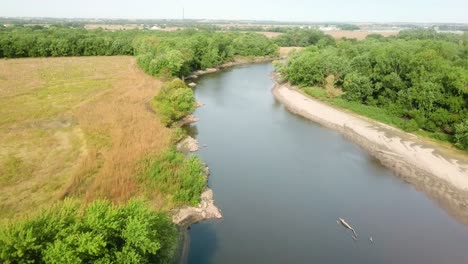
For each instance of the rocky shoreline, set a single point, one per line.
(206, 210)
(442, 176)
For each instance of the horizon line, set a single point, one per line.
(227, 20)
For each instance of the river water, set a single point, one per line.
(282, 182)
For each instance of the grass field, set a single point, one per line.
(74, 127)
(338, 34)
(359, 35)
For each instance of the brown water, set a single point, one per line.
(282, 182)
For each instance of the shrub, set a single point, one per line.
(357, 87)
(172, 173)
(174, 101)
(102, 233)
(461, 135)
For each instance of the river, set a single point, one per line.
(282, 182)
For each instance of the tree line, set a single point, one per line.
(170, 53)
(303, 38)
(181, 53)
(20, 42)
(419, 76)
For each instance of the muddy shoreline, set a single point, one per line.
(443, 177)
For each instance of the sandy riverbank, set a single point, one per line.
(428, 167)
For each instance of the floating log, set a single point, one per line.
(348, 226)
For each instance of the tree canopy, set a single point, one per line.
(303, 38)
(102, 233)
(419, 76)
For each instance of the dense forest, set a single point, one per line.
(421, 77)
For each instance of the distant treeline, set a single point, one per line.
(419, 76)
(303, 38)
(348, 27)
(19, 42)
(173, 53)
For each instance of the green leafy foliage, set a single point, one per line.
(102, 233)
(357, 87)
(158, 53)
(17, 42)
(418, 77)
(174, 174)
(461, 135)
(303, 38)
(180, 53)
(174, 101)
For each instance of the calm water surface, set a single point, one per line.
(282, 182)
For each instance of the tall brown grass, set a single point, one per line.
(78, 126)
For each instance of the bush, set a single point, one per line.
(357, 87)
(173, 174)
(102, 233)
(174, 101)
(461, 135)
(303, 38)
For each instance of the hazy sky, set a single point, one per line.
(284, 10)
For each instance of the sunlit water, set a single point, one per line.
(282, 182)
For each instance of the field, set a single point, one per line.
(74, 127)
(269, 34)
(113, 27)
(359, 35)
(338, 34)
(286, 51)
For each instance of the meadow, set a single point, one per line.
(75, 127)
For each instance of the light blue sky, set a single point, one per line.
(284, 10)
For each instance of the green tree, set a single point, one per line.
(102, 233)
(461, 135)
(357, 87)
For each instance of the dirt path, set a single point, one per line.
(439, 172)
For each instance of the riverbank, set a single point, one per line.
(443, 176)
(237, 62)
(207, 209)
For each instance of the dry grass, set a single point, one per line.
(332, 91)
(359, 35)
(287, 51)
(338, 34)
(73, 126)
(270, 34)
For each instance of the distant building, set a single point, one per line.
(328, 28)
